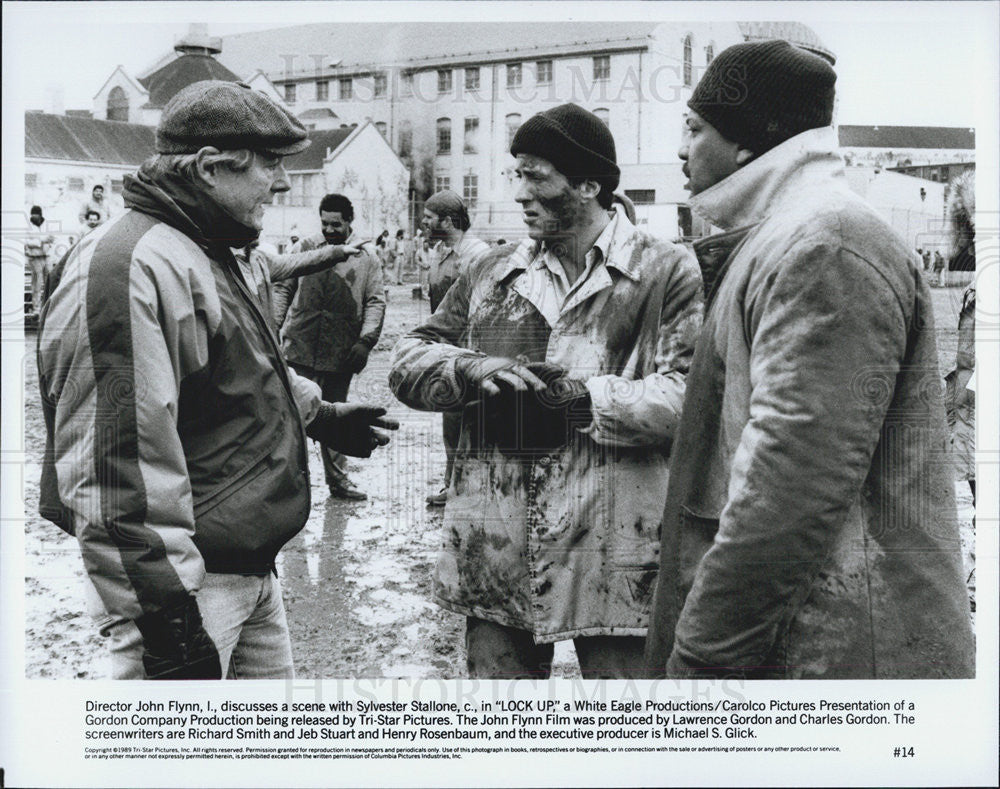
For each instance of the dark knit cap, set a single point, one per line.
(228, 116)
(577, 142)
(763, 93)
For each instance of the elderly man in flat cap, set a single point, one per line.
(446, 222)
(176, 446)
(566, 356)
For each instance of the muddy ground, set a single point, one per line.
(357, 579)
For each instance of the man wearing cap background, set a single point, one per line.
(566, 354)
(446, 222)
(333, 321)
(808, 531)
(175, 442)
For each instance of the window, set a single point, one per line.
(684, 224)
(405, 138)
(513, 122)
(117, 186)
(290, 92)
(471, 132)
(30, 180)
(407, 87)
(444, 80)
(380, 125)
(602, 67)
(74, 184)
(444, 136)
(543, 72)
(380, 85)
(117, 105)
(346, 88)
(442, 182)
(641, 196)
(513, 75)
(472, 78)
(323, 90)
(603, 114)
(470, 189)
(709, 54)
(687, 60)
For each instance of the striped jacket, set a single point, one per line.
(175, 443)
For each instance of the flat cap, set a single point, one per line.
(227, 116)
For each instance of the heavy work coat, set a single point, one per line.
(331, 310)
(810, 527)
(562, 544)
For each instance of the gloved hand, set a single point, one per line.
(350, 428)
(481, 376)
(357, 357)
(535, 421)
(176, 646)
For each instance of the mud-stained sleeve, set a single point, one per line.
(422, 368)
(373, 307)
(817, 326)
(645, 411)
(298, 264)
(129, 487)
(307, 395)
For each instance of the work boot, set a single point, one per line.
(345, 490)
(438, 499)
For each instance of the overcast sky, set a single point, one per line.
(898, 64)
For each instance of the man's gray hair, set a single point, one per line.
(186, 164)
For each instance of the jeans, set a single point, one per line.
(334, 388)
(496, 651)
(243, 614)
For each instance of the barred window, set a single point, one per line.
(602, 67)
(444, 80)
(290, 92)
(346, 88)
(444, 135)
(543, 72)
(472, 78)
(513, 75)
(470, 189)
(74, 184)
(323, 90)
(442, 182)
(513, 123)
(381, 84)
(30, 180)
(471, 133)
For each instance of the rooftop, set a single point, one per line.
(164, 83)
(948, 137)
(86, 139)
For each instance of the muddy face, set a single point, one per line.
(551, 206)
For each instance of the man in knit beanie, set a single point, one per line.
(808, 532)
(565, 356)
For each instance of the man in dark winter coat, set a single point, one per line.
(175, 432)
(809, 531)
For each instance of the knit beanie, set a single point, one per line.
(577, 142)
(447, 203)
(763, 93)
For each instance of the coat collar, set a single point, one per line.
(615, 243)
(748, 195)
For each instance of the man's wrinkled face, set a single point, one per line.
(336, 229)
(244, 194)
(433, 225)
(551, 206)
(708, 156)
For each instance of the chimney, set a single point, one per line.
(198, 42)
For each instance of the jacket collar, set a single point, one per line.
(615, 244)
(749, 195)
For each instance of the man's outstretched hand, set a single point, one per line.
(351, 428)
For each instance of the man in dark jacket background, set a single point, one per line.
(334, 320)
(809, 531)
(175, 447)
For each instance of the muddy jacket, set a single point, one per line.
(446, 263)
(565, 543)
(332, 310)
(810, 526)
(177, 443)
